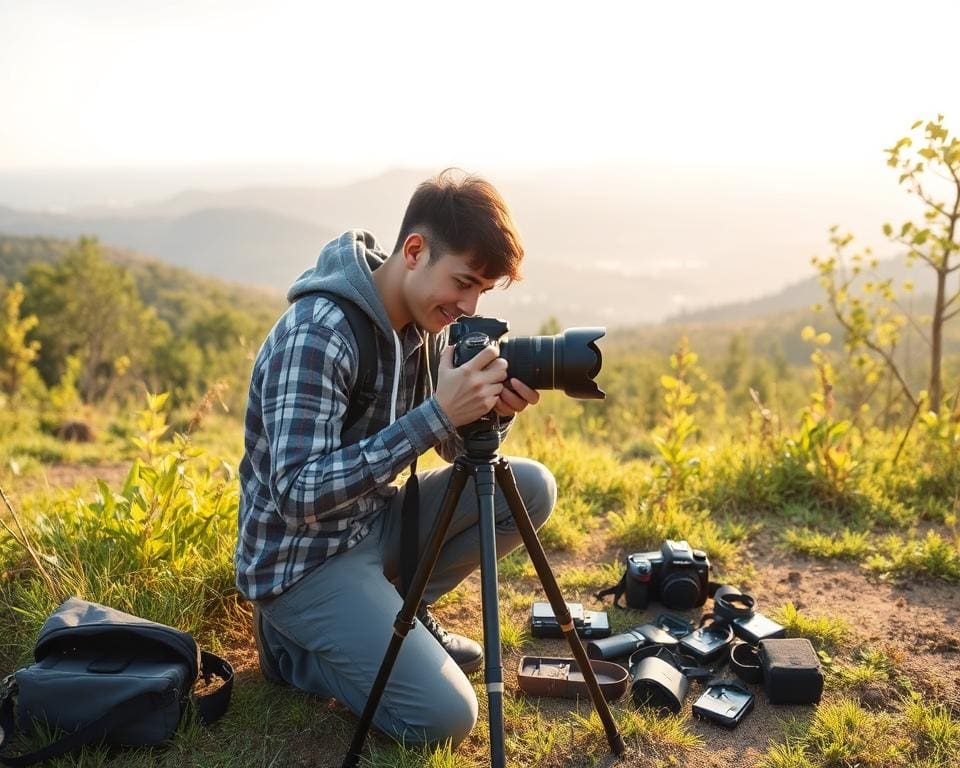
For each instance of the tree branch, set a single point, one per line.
(914, 252)
(891, 363)
(916, 326)
(938, 207)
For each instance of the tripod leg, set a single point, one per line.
(493, 664)
(528, 533)
(406, 617)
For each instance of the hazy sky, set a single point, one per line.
(753, 85)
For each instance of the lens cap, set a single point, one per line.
(680, 591)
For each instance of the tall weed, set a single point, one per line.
(160, 546)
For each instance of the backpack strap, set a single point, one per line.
(364, 391)
(362, 397)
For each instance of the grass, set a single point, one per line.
(869, 667)
(160, 544)
(934, 556)
(844, 544)
(843, 734)
(827, 633)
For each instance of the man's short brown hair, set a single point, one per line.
(463, 213)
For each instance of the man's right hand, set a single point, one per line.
(469, 391)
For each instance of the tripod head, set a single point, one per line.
(481, 438)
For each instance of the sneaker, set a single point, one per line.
(268, 664)
(467, 653)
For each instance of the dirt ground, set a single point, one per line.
(917, 623)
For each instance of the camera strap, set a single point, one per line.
(617, 590)
(410, 513)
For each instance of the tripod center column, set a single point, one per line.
(493, 671)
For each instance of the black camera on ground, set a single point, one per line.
(568, 361)
(676, 576)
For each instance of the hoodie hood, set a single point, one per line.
(345, 268)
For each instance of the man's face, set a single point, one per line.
(438, 292)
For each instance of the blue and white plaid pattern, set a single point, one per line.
(305, 494)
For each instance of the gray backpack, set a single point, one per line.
(101, 675)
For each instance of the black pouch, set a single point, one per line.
(757, 627)
(725, 702)
(791, 671)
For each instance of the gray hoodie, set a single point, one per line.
(308, 492)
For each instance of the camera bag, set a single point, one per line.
(791, 671)
(101, 675)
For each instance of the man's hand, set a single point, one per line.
(514, 397)
(469, 391)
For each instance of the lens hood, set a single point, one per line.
(568, 361)
(729, 603)
(658, 684)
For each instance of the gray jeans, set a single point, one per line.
(328, 632)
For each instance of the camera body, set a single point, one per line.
(471, 335)
(676, 576)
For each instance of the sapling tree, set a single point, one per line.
(868, 310)
(17, 352)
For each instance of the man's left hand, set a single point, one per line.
(514, 397)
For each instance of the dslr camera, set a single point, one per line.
(568, 361)
(676, 576)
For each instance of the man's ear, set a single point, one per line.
(414, 250)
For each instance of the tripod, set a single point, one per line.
(482, 441)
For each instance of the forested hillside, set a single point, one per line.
(109, 322)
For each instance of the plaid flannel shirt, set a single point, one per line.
(307, 494)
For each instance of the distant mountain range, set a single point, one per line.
(806, 293)
(620, 253)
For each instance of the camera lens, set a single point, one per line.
(568, 361)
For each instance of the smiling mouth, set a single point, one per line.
(449, 318)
